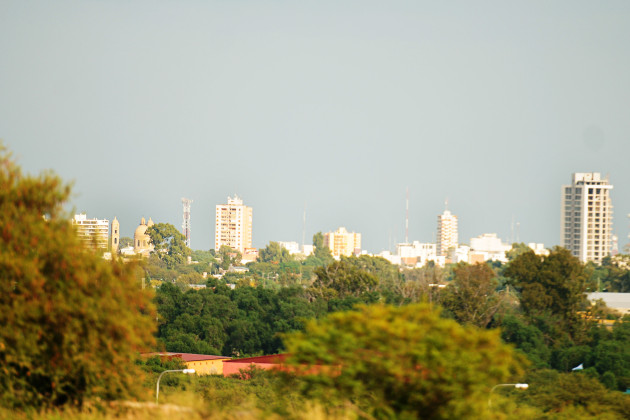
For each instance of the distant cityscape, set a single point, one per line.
(586, 230)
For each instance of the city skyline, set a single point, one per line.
(338, 108)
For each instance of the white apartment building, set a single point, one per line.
(416, 253)
(233, 225)
(586, 217)
(446, 233)
(93, 233)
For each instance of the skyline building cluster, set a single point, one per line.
(586, 231)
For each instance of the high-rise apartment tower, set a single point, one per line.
(446, 233)
(341, 242)
(233, 225)
(186, 202)
(94, 233)
(586, 217)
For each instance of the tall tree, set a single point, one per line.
(322, 252)
(274, 253)
(472, 295)
(72, 323)
(170, 244)
(554, 285)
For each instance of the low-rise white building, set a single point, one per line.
(539, 249)
(460, 254)
(292, 247)
(392, 258)
(488, 247)
(416, 253)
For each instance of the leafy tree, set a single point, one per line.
(614, 274)
(343, 279)
(228, 257)
(388, 274)
(399, 362)
(573, 395)
(274, 253)
(517, 250)
(204, 261)
(124, 242)
(472, 296)
(170, 244)
(72, 323)
(322, 253)
(422, 284)
(526, 338)
(552, 286)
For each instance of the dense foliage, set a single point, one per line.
(72, 324)
(71, 321)
(400, 362)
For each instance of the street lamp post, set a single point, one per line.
(517, 386)
(157, 388)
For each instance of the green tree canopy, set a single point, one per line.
(321, 253)
(341, 278)
(400, 362)
(554, 285)
(72, 323)
(274, 253)
(229, 257)
(472, 296)
(170, 244)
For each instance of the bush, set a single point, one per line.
(72, 323)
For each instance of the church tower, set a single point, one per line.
(115, 240)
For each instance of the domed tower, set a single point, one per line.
(142, 241)
(115, 236)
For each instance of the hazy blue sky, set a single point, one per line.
(336, 105)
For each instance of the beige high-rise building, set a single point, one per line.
(446, 233)
(115, 239)
(94, 233)
(233, 225)
(341, 242)
(586, 217)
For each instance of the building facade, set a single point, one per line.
(93, 233)
(115, 237)
(233, 226)
(446, 233)
(141, 241)
(416, 253)
(343, 243)
(586, 217)
(488, 247)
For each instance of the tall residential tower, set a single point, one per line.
(586, 217)
(446, 233)
(94, 233)
(341, 242)
(233, 225)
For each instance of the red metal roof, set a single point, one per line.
(187, 357)
(272, 359)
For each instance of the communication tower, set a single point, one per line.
(186, 224)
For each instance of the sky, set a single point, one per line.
(333, 108)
